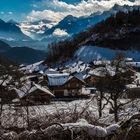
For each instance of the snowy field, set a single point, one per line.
(63, 112)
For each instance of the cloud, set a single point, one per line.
(10, 13)
(56, 10)
(34, 5)
(45, 14)
(2, 13)
(59, 32)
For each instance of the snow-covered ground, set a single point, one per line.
(11, 113)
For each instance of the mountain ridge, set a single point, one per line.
(11, 30)
(17, 55)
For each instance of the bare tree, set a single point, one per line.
(117, 84)
(9, 78)
(111, 84)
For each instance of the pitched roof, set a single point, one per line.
(30, 88)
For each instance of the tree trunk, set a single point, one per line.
(1, 109)
(1, 106)
(100, 104)
(116, 110)
(27, 110)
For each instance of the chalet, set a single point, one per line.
(84, 76)
(65, 85)
(105, 73)
(32, 93)
(100, 73)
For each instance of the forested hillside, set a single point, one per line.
(121, 31)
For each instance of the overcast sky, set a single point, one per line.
(54, 10)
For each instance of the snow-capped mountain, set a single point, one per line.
(44, 32)
(73, 25)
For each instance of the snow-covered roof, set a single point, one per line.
(27, 77)
(82, 75)
(128, 59)
(101, 62)
(131, 86)
(35, 67)
(80, 67)
(5, 79)
(51, 71)
(46, 90)
(29, 88)
(57, 79)
(102, 71)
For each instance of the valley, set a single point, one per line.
(70, 70)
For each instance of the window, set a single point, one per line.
(65, 92)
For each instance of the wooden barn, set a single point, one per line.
(64, 85)
(133, 92)
(34, 94)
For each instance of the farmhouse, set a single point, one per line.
(63, 84)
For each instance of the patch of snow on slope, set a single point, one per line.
(88, 53)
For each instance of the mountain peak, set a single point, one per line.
(12, 21)
(69, 17)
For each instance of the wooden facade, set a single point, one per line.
(133, 93)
